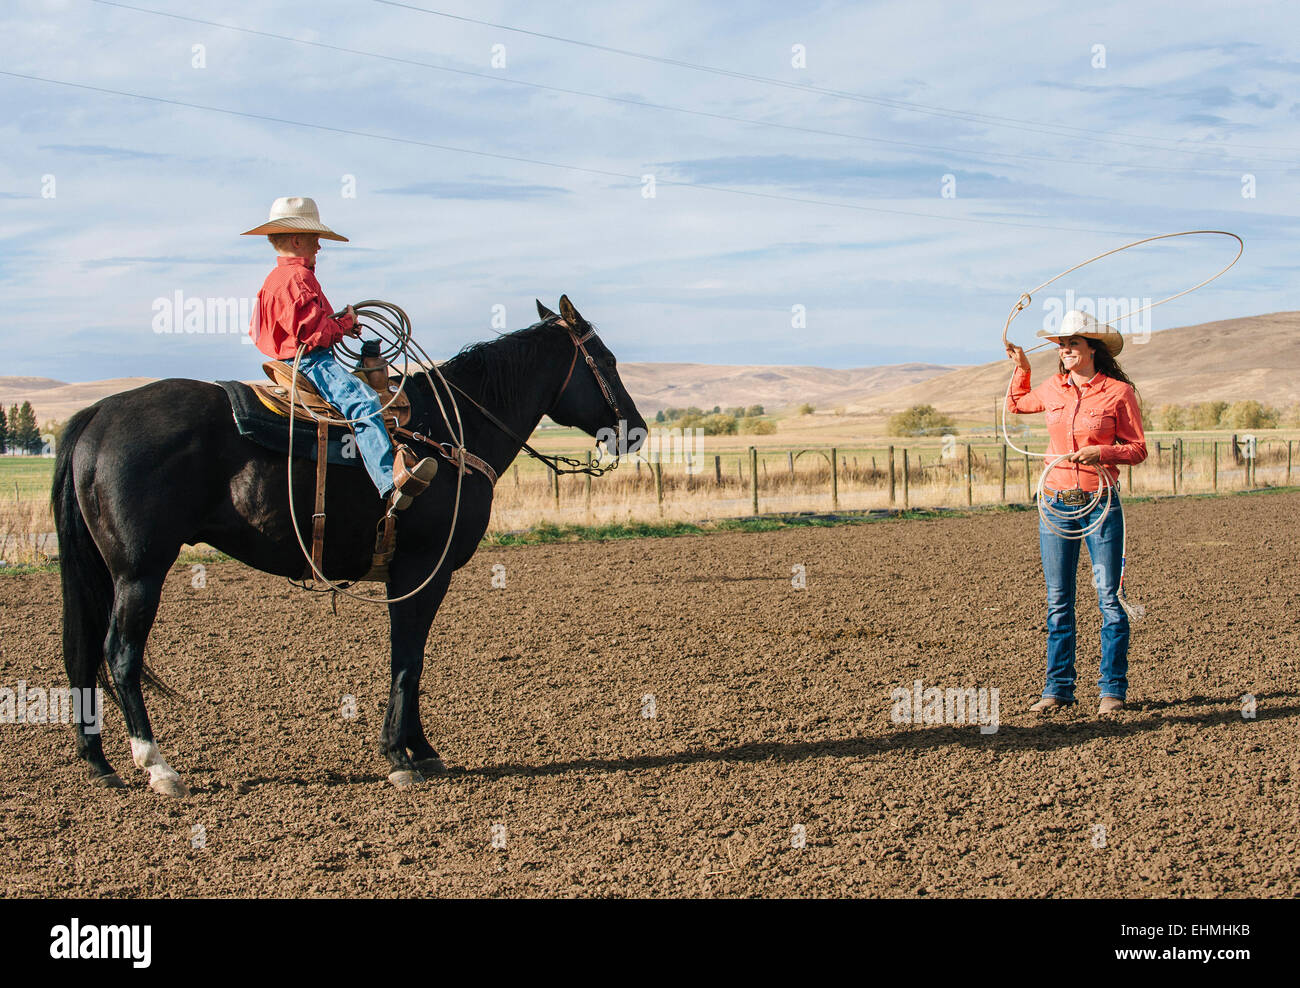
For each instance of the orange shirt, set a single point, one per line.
(1104, 412)
(292, 309)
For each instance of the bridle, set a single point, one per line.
(579, 345)
(571, 465)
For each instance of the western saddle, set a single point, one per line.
(309, 406)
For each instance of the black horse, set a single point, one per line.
(142, 473)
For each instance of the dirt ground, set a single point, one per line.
(770, 765)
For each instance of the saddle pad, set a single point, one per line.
(257, 422)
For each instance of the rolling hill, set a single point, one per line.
(1231, 360)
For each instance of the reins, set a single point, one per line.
(572, 466)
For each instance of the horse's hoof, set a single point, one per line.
(432, 766)
(110, 781)
(403, 779)
(170, 786)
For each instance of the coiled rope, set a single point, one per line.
(393, 328)
(1059, 520)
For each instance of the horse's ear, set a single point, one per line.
(568, 312)
(543, 311)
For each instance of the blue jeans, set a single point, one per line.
(357, 401)
(1061, 567)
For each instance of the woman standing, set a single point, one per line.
(1092, 415)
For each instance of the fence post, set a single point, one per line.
(906, 499)
(891, 475)
(1214, 470)
(1003, 448)
(1288, 462)
(659, 485)
(835, 480)
(969, 469)
(516, 474)
(753, 475)
(1173, 465)
(588, 483)
(789, 456)
(1029, 492)
(556, 477)
(717, 470)
(1128, 486)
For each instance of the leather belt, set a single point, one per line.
(1075, 496)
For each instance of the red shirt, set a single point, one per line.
(292, 309)
(1104, 412)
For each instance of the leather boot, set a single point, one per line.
(1047, 703)
(1109, 704)
(411, 476)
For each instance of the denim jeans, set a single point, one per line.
(357, 401)
(1061, 567)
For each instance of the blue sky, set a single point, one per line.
(819, 186)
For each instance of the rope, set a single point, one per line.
(1056, 519)
(382, 318)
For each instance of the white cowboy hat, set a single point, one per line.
(1078, 323)
(294, 214)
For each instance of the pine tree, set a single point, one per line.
(4, 430)
(26, 435)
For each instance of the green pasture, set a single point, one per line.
(26, 478)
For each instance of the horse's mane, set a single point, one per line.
(490, 369)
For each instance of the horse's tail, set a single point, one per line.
(87, 584)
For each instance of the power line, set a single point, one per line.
(1032, 126)
(604, 173)
(645, 104)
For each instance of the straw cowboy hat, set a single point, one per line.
(1077, 323)
(294, 214)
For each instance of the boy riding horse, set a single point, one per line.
(292, 312)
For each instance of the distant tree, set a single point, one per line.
(718, 425)
(753, 411)
(1250, 415)
(736, 412)
(4, 429)
(1206, 414)
(752, 425)
(673, 414)
(920, 420)
(717, 409)
(1172, 417)
(1291, 417)
(806, 409)
(25, 436)
(659, 415)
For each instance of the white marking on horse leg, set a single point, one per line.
(162, 777)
